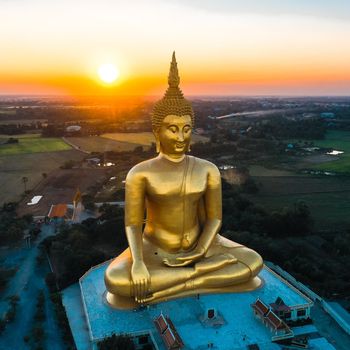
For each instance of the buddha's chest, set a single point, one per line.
(175, 184)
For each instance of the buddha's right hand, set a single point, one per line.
(141, 280)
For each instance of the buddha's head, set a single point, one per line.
(173, 118)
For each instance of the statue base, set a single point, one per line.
(92, 319)
(125, 303)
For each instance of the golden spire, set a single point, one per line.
(173, 77)
(173, 91)
(77, 197)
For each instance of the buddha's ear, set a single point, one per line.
(157, 141)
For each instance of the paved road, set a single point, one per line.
(75, 146)
(27, 283)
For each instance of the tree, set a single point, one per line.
(25, 180)
(121, 342)
(88, 202)
(68, 164)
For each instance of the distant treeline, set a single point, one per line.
(313, 128)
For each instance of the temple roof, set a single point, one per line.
(58, 211)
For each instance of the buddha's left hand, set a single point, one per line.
(185, 259)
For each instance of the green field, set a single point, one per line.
(340, 141)
(32, 144)
(328, 197)
(337, 140)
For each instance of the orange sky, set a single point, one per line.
(232, 47)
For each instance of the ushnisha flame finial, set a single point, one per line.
(173, 78)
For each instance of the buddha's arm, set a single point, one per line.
(134, 216)
(213, 221)
(213, 208)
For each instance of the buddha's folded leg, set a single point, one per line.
(246, 264)
(229, 275)
(213, 263)
(226, 263)
(118, 276)
(244, 255)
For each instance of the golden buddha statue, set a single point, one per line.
(179, 252)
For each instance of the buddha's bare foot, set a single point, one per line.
(213, 263)
(145, 299)
(162, 294)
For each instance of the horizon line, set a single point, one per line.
(43, 95)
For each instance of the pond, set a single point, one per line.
(335, 152)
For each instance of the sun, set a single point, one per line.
(108, 73)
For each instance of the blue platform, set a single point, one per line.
(88, 313)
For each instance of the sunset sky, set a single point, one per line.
(256, 47)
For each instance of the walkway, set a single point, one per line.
(27, 283)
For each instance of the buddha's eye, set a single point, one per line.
(187, 129)
(173, 129)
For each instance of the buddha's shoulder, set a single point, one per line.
(205, 164)
(140, 169)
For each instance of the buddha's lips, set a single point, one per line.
(180, 144)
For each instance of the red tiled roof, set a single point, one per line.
(58, 210)
(168, 332)
(161, 323)
(169, 339)
(261, 307)
(176, 334)
(274, 320)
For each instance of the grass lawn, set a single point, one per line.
(32, 144)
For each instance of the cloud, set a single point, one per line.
(337, 9)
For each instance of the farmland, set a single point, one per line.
(118, 142)
(32, 143)
(31, 165)
(100, 144)
(337, 140)
(144, 138)
(60, 187)
(19, 121)
(327, 197)
(7, 111)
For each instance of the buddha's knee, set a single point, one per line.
(118, 280)
(250, 258)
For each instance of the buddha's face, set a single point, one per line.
(175, 135)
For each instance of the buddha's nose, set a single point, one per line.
(181, 137)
